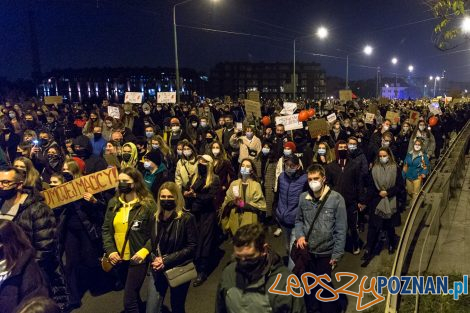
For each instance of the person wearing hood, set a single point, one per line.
(192, 128)
(130, 155)
(155, 172)
(98, 143)
(55, 160)
(9, 141)
(344, 177)
(20, 275)
(26, 208)
(245, 282)
(291, 183)
(83, 150)
(289, 149)
(175, 135)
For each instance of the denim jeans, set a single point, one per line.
(156, 295)
(289, 239)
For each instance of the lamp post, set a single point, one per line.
(322, 33)
(367, 51)
(436, 79)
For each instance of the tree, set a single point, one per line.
(447, 31)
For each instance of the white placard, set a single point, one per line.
(133, 97)
(114, 112)
(331, 118)
(236, 191)
(434, 108)
(289, 108)
(239, 126)
(166, 97)
(369, 118)
(290, 122)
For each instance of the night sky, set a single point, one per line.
(116, 33)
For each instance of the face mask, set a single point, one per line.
(203, 124)
(109, 125)
(155, 147)
(394, 126)
(44, 141)
(315, 185)
(290, 171)
(343, 154)
(321, 151)
(251, 267)
(97, 135)
(81, 153)
(29, 124)
(187, 153)
(385, 127)
(159, 108)
(352, 147)
(146, 112)
(354, 124)
(360, 125)
(168, 205)
(7, 194)
(124, 187)
(209, 140)
(12, 115)
(126, 157)
(422, 127)
(287, 152)
(385, 144)
(249, 135)
(228, 124)
(149, 134)
(417, 147)
(245, 171)
(384, 160)
(175, 129)
(215, 152)
(146, 124)
(202, 169)
(194, 124)
(67, 176)
(179, 152)
(147, 165)
(265, 151)
(127, 112)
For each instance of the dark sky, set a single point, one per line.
(78, 33)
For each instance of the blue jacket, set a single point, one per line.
(98, 146)
(289, 190)
(415, 166)
(329, 231)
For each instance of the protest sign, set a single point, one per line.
(74, 190)
(289, 108)
(220, 133)
(434, 108)
(414, 117)
(383, 101)
(133, 97)
(373, 108)
(290, 122)
(53, 99)
(345, 95)
(114, 112)
(239, 126)
(227, 99)
(369, 118)
(339, 108)
(252, 107)
(318, 127)
(253, 96)
(394, 117)
(331, 118)
(166, 97)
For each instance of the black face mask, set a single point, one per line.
(30, 124)
(168, 205)
(202, 169)
(228, 124)
(81, 153)
(97, 135)
(126, 157)
(343, 154)
(209, 140)
(124, 187)
(7, 194)
(251, 268)
(67, 176)
(44, 142)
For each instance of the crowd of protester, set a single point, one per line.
(192, 175)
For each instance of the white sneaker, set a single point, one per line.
(277, 232)
(357, 251)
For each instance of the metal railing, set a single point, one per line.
(426, 210)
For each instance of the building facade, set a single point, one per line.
(272, 80)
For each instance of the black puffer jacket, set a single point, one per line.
(178, 242)
(23, 282)
(93, 163)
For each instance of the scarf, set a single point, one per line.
(385, 178)
(127, 207)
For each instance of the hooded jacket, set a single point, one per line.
(93, 163)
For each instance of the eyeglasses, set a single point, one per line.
(7, 183)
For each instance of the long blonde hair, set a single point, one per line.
(175, 190)
(210, 174)
(32, 174)
(163, 146)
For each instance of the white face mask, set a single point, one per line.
(194, 124)
(287, 152)
(417, 147)
(422, 127)
(147, 164)
(215, 151)
(315, 185)
(352, 147)
(155, 147)
(321, 151)
(203, 124)
(265, 150)
(385, 127)
(384, 160)
(187, 153)
(175, 128)
(249, 135)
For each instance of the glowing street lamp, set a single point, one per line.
(411, 68)
(368, 50)
(322, 32)
(394, 61)
(465, 26)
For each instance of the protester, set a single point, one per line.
(415, 169)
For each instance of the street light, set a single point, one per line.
(394, 61)
(177, 69)
(465, 26)
(321, 33)
(411, 68)
(436, 79)
(368, 50)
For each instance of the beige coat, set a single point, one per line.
(243, 144)
(185, 171)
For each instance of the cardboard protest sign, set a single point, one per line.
(74, 190)
(318, 127)
(290, 122)
(414, 117)
(253, 96)
(383, 101)
(331, 118)
(133, 97)
(339, 108)
(345, 95)
(369, 118)
(114, 112)
(434, 108)
(166, 97)
(53, 99)
(289, 108)
(394, 117)
(373, 108)
(252, 107)
(220, 133)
